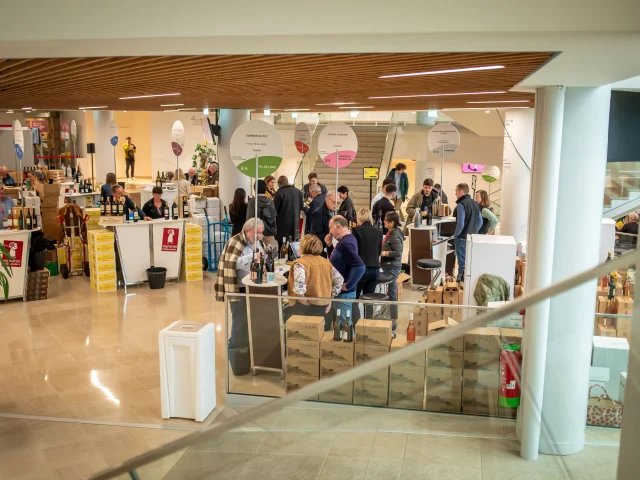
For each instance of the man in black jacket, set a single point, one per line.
(321, 216)
(288, 202)
(468, 222)
(385, 204)
(313, 180)
(317, 200)
(266, 212)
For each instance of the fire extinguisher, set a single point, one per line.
(510, 361)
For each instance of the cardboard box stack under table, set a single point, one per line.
(192, 264)
(303, 337)
(37, 285)
(102, 260)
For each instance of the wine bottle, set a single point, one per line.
(119, 209)
(114, 208)
(34, 221)
(349, 332)
(21, 221)
(135, 213)
(290, 256)
(297, 236)
(337, 333)
(185, 208)
(158, 180)
(103, 209)
(166, 211)
(29, 220)
(253, 272)
(284, 249)
(260, 269)
(429, 217)
(174, 210)
(411, 330)
(16, 222)
(418, 218)
(5, 223)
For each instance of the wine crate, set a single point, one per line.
(374, 332)
(296, 382)
(303, 349)
(299, 327)
(333, 367)
(308, 367)
(444, 359)
(417, 360)
(336, 350)
(341, 394)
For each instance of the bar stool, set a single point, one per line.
(369, 308)
(431, 265)
(383, 282)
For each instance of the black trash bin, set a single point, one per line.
(157, 277)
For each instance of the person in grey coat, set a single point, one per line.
(391, 259)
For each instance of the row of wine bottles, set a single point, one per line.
(347, 333)
(286, 251)
(260, 266)
(18, 220)
(85, 186)
(162, 178)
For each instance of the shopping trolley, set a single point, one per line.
(72, 252)
(220, 239)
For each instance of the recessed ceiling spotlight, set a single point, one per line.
(432, 113)
(267, 112)
(151, 96)
(336, 103)
(294, 114)
(440, 95)
(26, 108)
(205, 111)
(90, 108)
(9, 111)
(503, 101)
(438, 72)
(353, 113)
(356, 106)
(172, 105)
(297, 109)
(487, 111)
(124, 111)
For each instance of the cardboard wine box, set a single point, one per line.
(444, 359)
(444, 377)
(417, 360)
(482, 340)
(406, 375)
(368, 393)
(295, 382)
(372, 332)
(303, 349)
(435, 296)
(480, 379)
(402, 395)
(333, 367)
(341, 394)
(305, 328)
(380, 377)
(307, 367)
(443, 399)
(365, 352)
(333, 350)
(481, 361)
(623, 306)
(606, 331)
(601, 304)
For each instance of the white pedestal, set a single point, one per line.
(187, 370)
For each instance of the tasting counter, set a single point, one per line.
(141, 245)
(17, 243)
(426, 242)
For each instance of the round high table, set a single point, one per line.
(266, 325)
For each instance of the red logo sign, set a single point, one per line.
(15, 251)
(177, 149)
(170, 239)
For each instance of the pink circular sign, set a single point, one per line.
(339, 139)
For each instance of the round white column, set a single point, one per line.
(516, 173)
(230, 177)
(104, 150)
(540, 246)
(577, 244)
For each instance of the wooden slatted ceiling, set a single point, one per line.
(261, 81)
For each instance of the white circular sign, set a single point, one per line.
(337, 137)
(177, 138)
(490, 173)
(302, 137)
(252, 138)
(443, 136)
(18, 135)
(74, 131)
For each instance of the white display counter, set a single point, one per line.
(18, 243)
(141, 245)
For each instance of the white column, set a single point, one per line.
(230, 176)
(104, 150)
(630, 436)
(577, 244)
(516, 173)
(544, 193)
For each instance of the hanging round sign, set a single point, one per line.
(302, 137)
(337, 137)
(443, 136)
(113, 128)
(18, 139)
(490, 174)
(252, 138)
(177, 138)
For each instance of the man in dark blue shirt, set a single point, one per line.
(468, 222)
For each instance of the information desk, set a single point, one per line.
(141, 245)
(18, 243)
(266, 326)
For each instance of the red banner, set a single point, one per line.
(170, 239)
(15, 251)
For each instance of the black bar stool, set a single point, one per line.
(433, 266)
(369, 308)
(383, 282)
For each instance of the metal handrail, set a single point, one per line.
(371, 366)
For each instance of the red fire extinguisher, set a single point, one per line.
(510, 361)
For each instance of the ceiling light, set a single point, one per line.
(297, 109)
(205, 111)
(294, 114)
(503, 101)
(440, 95)
(26, 108)
(336, 103)
(432, 113)
(175, 110)
(438, 72)
(353, 113)
(27, 111)
(487, 111)
(267, 112)
(89, 108)
(124, 111)
(9, 111)
(356, 106)
(475, 108)
(172, 105)
(151, 96)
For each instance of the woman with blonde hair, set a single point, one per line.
(489, 220)
(312, 275)
(369, 240)
(184, 187)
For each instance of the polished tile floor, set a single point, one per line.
(79, 393)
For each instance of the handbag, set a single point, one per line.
(603, 411)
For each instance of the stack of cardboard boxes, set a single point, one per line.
(102, 260)
(192, 270)
(407, 378)
(441, 303)
(49, 204)
(613, 327)
(444, 377)
(373, 340)
(94, 218)
(56, 175)
(37, 285)
(303, 335)
(336, 357)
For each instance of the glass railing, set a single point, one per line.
(622, 188)
(309, 398)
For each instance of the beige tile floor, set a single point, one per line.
(82, 358)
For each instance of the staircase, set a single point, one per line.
(371, 145)
(621, 196)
